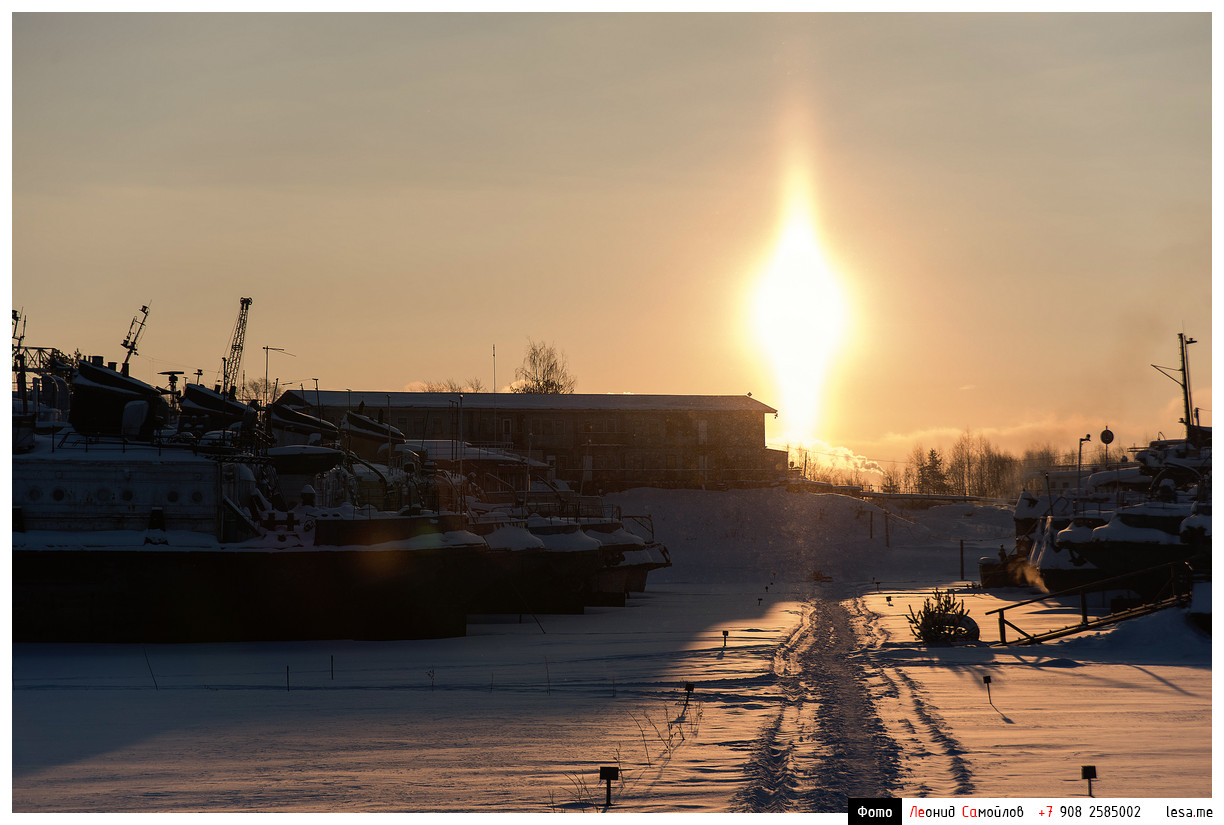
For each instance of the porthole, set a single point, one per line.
(58, 494)
(172, 496)
(34, 494)
(127, 495)
(197, 496)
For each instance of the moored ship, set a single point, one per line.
(145, 514)
(1132, 526)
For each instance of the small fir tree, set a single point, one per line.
(943, 620)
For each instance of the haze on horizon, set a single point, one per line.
(1014, 210)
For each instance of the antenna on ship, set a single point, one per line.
(19, 321)
(19, 358)
(129, 343)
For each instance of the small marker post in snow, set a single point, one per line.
(725, 632)
(986, 681)
(607, 774)
(1088, 772)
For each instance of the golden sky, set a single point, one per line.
(1010, 213)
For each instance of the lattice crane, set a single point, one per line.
(231, 366)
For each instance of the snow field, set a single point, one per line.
(516, 719)
(1133, 700)
(519, 714)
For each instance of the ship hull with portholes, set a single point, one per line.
(116, 541)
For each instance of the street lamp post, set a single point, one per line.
(267, 351)
(1079, 467)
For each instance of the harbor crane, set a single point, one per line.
(231, 365)
(129, 343)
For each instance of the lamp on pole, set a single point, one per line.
(267, 351)
(1079, 465)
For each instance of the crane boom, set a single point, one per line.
(231, 365)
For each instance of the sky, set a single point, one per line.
(991, 223)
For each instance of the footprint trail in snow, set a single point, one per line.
(826, 743)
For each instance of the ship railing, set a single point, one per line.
(1175, 591)
(590, 507)
(73, 440)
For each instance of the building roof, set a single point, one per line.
(527, 401)
(444, 450)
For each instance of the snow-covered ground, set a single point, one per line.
(804, 692)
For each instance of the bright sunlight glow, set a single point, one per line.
(800, 318)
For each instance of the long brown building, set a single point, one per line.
(592, 442)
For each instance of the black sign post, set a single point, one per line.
(1088, 772)
(607, 774)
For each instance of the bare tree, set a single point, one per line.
(454, 385)
(544, 371)
(258, 388)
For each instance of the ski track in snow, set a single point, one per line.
(826, 743)
(931, 759)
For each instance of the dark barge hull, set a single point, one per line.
(534, 581)
(171, 596)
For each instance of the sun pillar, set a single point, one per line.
(800, 316)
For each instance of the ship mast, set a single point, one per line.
(1185, 371)
(1183, 341)
(129, 343)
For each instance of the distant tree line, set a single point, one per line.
(451, 385)
(972, 467)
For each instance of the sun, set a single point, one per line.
(800, 318)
